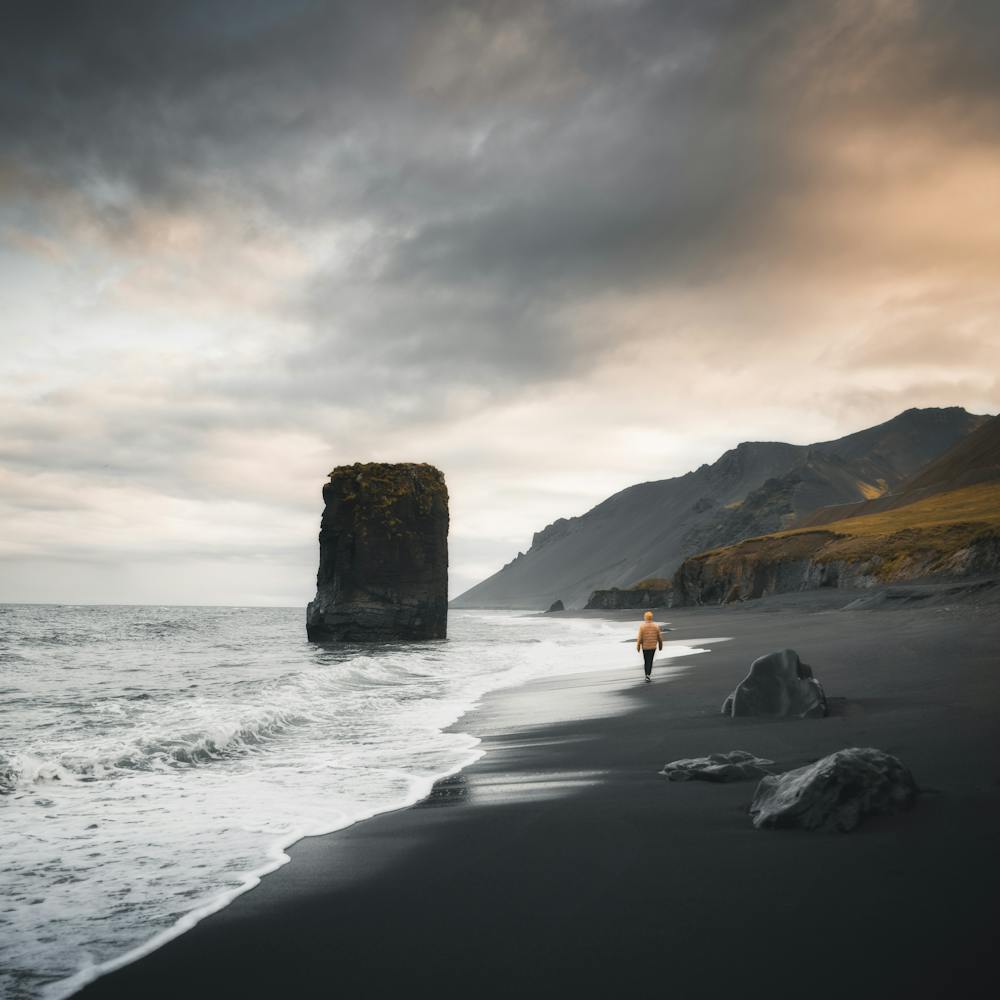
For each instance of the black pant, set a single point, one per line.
(647, 655)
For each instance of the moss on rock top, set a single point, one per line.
(378, 488)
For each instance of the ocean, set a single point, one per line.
(156, 761)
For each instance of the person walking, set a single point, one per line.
(650, 639)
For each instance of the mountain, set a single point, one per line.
(943, 522)
(974, 459)
(634, 534)
(648, 529)
(853, 471)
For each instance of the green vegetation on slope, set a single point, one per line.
(921, 534)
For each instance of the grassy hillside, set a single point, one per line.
(953, 532)
(940, 523)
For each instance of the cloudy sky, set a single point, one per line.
(553, 248)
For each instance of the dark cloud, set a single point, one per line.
(508, 159)
(525, 148)
(155, 93)
(151, 95)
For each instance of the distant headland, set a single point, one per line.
(916, 497)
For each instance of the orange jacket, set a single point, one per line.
(649, 636)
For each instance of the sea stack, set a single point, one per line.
(383, 555)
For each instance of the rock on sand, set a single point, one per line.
(737, 765)
(778, 684)
(835, 793)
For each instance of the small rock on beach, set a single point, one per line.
(737, 765)
(835, 793)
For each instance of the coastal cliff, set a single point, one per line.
(383, 555)
(950, 536)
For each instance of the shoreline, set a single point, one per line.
(582, 751)
(276, 854)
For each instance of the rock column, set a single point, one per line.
(383, 555)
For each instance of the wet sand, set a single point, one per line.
(562, 864)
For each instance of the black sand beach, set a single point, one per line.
(562, 864)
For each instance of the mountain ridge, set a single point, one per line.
(974, 459)
(647, 529)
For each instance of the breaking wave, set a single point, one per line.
(222, 742)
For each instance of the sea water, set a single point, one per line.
(155, 761)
